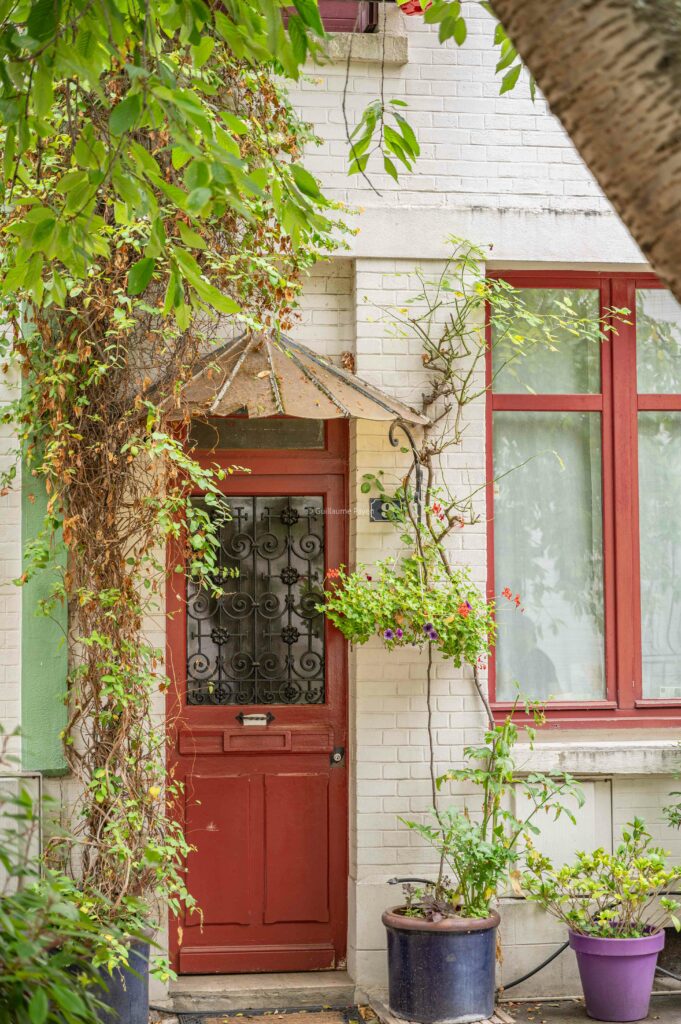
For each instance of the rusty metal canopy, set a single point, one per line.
(267, 375)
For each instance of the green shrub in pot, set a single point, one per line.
(442, 941)
(479, 846)
(616, 906)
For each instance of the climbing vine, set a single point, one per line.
(153, 202)
(457, 317)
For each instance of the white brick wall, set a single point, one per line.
(327, 309)
(476, 146)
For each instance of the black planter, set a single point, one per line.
(441, 972)
(126, 997)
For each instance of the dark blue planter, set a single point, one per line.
(126, 997)
(441, 972)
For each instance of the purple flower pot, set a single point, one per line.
(617, 974)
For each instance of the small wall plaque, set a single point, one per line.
(379, 509)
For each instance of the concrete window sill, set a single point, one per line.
(607, 757)
(369, 48)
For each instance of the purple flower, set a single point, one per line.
(399, 633)
(388, 634)
(428, 626)
(469, 605)
(433, 634)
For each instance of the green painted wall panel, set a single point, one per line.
(43, 653)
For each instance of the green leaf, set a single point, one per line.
(408, 134)
(390, 168)
(43, 20)
(510, 78)
(197, 199)
(125, 113)
(309, 12)
(234, 123)
(215, 298)
(43, 94)
(139, 275)
(508, 55)
(305, 182)
(38, 1007)
(191, 238)
(202, 52)
(197, 175)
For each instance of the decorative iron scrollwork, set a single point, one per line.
(262, 640)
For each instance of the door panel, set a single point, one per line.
(224, 847)
(264, 805)
(296, 843)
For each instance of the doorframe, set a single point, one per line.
(332, 460)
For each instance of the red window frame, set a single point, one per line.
(345, 15)
(619, 404)
(349, 15)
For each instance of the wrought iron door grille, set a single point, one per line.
(262, 640)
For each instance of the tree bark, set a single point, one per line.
(611, 72)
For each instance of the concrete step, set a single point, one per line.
(199, 993)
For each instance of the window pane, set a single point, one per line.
(262, 641)
(239, 432)
(570, 364)
(658, 341)
(548, 548)
(659, 474)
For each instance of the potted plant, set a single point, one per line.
(442, 940)
(615, 907)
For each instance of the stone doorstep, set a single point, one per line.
(384, 1015)
(227, 992)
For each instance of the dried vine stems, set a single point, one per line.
(101, 366)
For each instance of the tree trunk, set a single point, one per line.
(611, 72)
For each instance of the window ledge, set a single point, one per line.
(607, 757)
(369, 48)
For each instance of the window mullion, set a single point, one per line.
(624, 473)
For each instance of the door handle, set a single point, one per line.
(337, 756)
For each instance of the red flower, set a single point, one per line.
(516, 600)
(464, 609)
(333, 574)
(507, 593)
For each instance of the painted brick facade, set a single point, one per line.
(501, 172)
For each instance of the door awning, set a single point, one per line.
(263, 375)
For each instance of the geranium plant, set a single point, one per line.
(620, 895)
(412, 602)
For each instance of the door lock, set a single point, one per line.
(337, 756)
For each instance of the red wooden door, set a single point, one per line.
(258, 729)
